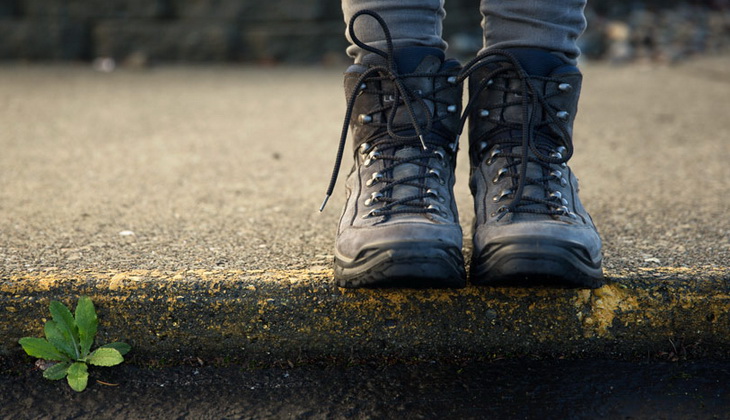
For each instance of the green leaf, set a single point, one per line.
(57, 371)
(105, 357)
(122, 348)
(66, 323)
(55, 337)
(42, 349)
(87, 322)
(78, 376)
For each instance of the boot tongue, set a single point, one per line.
(409, 60)
(406, 170)
(534, 171)
(538, 62)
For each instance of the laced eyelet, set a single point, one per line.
(501, 195)
(437, 175)
(563, 182)
(556, 174)
(363, 86)
(364, 148)
(565, 87)
(435, 194)
(565, 211)
(499, 211)
(497, 177)
(563, 115)
(558, 154)
(372, 157)
(437, 211)
(441, 156)
(374, 198)
(377, 176)
(371, 213)
(492, 156)
(364, 118)
(453, 146)
(483, 146)
(557, 195)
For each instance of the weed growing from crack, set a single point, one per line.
(68, 342)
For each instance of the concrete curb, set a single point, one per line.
(276, 316)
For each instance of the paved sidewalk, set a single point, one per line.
(184, 202)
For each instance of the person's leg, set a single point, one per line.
(412, 23)
(530, 226)
(399, 226)
(545, 24)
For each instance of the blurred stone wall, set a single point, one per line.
(311, 31)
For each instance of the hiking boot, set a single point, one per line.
(530, 226)
(400, 225)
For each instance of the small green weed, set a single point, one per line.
(68, 341)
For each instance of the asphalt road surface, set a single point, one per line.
(225, 167)
(507, 389)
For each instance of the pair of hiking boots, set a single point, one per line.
(400, 225)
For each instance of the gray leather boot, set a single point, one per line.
(400, 225)
(530, 226)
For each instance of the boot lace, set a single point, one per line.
(389, 136)
(545, 141)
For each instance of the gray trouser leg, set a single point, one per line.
(411, 23)
(552, 25)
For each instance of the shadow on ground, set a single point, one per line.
(564, 389)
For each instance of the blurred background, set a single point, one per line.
(141, 32)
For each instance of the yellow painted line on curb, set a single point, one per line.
(622, 300)
(118, 280)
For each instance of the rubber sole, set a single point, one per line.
(410, 265)
(533, 262)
